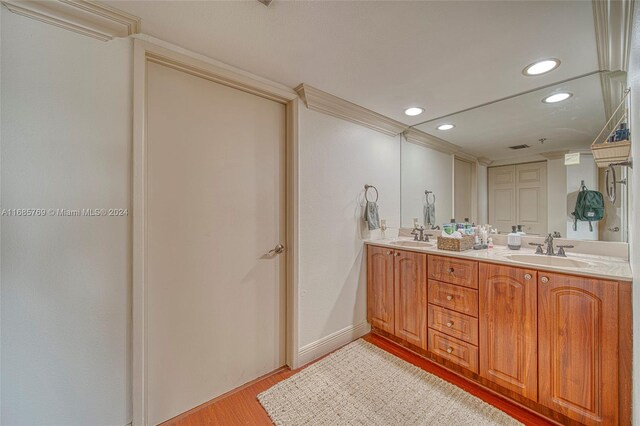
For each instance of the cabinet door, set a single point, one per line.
(578, 347)
(380, 304)
(411, 297)
(508, 328)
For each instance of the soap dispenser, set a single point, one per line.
(520, 231)
(514, 239)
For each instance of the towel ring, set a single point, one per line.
(366, 189)
(426, 194)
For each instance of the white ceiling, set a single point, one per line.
(489, 131)
(386, 55)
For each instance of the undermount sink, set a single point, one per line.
(416, 244)
(548, 260)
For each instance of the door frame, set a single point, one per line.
(179, 59)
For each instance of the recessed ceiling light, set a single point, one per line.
(541, 67)
(557, 97)
(445, 127)
(413, 111)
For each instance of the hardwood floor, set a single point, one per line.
(241, 406)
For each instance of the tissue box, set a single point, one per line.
(456, 244)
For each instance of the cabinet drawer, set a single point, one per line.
(460, 299)
(454, 271)
(459, 352)
(453, 324)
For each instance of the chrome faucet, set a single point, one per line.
(419, 234)
(550, 251)
(549, 242)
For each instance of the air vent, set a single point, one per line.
(523, 146)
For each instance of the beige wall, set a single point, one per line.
(336, 159)
(425, 168)
(66, 143)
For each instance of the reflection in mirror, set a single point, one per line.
(523, 139)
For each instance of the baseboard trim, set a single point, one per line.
(333, 341)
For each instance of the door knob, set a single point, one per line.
(277, 249)
(527, 277)
(449, 297)
(396, 254)
(615, 229)
(451, 270)
(450, 324)
(389, 252)
(449, 349)
(544, 280)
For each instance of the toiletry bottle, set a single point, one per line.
(520, 231)
(490, 243)
(514, 240)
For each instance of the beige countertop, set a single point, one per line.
(595, 266)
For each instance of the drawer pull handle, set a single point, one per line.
(527, 277)
(449, 297)
(451, 270)
(544, 280)
(449, 349)
(450, 324)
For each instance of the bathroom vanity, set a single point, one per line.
(554, 339)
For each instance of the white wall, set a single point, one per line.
(634, 204)
(557, 196)
(336, 159)
(483, 194)
(425, 168)
(66, 143)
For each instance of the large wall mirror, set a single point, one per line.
(521, 177)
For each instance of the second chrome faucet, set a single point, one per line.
(550, 250)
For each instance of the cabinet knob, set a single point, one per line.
(396, 254)
(449, 297)
(451, 270)
(389, 252)
(544, 280)
(527, 277)
(449, 349)
(450, 324)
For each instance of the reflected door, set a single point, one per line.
(502, 197)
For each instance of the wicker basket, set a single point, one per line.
(611, 152)
(456, 244)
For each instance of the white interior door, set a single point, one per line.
(531, 197)
(462, 190)
(215, 207)
(502, 197)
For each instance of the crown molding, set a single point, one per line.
(85, 17)
(484, 161)
(613, 21)
(433, 142)
(327, 103)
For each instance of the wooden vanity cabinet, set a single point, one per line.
(578, 348)
(380, 289)
(508, 328)
(410, 285)
(558, 344)
(397, 293)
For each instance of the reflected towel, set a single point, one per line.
(429, 212)
(371, 215)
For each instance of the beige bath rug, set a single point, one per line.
(361, 384)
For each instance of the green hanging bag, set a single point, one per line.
(589, 207)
